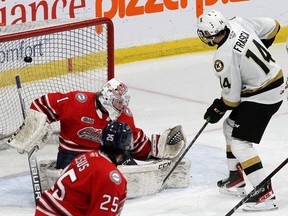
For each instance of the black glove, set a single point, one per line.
(216, 111)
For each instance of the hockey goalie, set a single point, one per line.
(82, 117)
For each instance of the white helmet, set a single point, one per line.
(209, 25)
(114, 98)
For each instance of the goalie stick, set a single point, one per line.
(184, 153)
(33, 165)
(19, 90)
(258, 187)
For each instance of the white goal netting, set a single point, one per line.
(50, 56)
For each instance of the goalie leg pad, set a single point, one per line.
(147, 177)
(169, 144)
(180, 177)
(48, 173)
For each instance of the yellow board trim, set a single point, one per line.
(122, 56)
(177, 47)
(59, 68)
(159, 50)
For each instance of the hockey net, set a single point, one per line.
(51, 56)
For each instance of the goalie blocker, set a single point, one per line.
(35, 131)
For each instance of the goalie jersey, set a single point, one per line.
(246, 69)
(90, 185)
(81, 123)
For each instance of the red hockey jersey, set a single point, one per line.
(81, 123)
(90, 185)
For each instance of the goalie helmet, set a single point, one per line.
(116, 138)
(209, 25)
(114, 98)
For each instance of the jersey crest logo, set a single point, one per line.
(218, 65)
(81, 97)
(90, 133)
(115, 177)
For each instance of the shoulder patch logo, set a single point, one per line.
(115, 177)
(218, 65)
(81, 97)
(127, 111)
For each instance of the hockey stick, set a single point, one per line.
(184, 153)
(19, 90)
(258, 187)
(33, 165)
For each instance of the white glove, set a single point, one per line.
(35, 131)
(169, 144)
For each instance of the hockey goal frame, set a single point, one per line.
(54, 28)
(75, 25)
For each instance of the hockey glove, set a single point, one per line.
(34, 132)
(216, 111)
(169, 144)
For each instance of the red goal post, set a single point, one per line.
(52, 56)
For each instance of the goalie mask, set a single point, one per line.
(210, 25)
(114, 98)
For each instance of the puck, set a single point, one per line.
(28, 59)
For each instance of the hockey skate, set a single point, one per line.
(234, 184)
(262, 200)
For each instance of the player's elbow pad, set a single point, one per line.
(269, 42)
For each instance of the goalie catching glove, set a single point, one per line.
(35, 131)
(169, 144)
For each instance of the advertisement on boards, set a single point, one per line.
(140, 22)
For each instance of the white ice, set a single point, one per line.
(165, 92)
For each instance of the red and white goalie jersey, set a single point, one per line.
(90, 185)
(81, 123)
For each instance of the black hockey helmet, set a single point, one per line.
(116, 138)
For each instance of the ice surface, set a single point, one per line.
(165, 92)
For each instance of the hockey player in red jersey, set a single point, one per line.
(92, 184)
(83, 115)
(252, 87)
